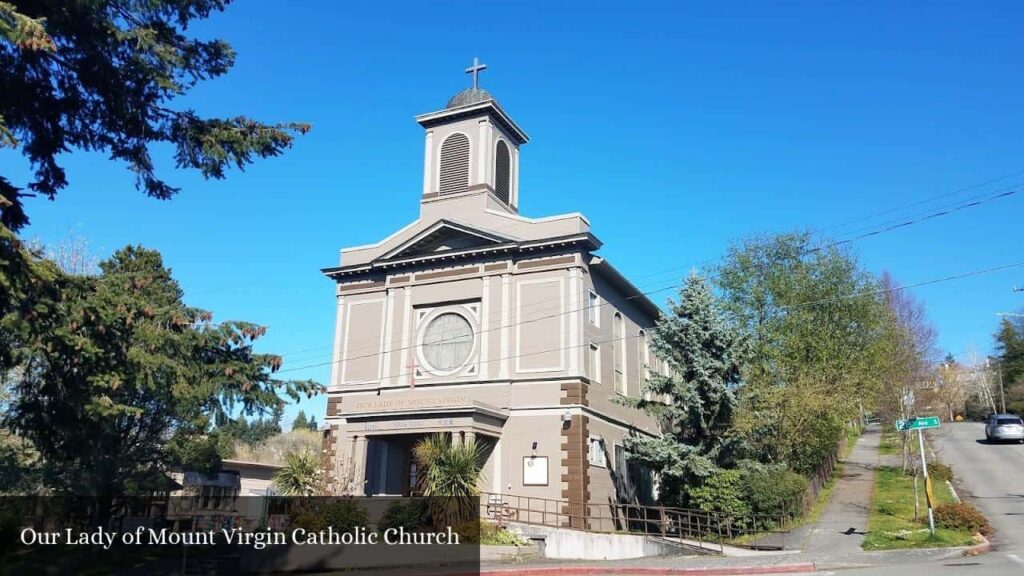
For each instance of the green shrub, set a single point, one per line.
(487, 534)
(407, 514)
(469, 532)
(961, 517)
(774, 491)
(721, 492)
(341, 514)
(308, 520)
(344, 515)
(940, 472)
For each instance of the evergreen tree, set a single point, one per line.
(103, 76)
(120, 381)
(1010, 349)
(300, 422)
(704, 353)
(276, 414)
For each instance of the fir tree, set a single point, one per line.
(106, 76)
(300, 422)
(123, 381)
(704, 353)
(275, 418)
(1010, 349)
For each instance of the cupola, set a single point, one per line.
(472, 148)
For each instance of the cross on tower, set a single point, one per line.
(475, 71)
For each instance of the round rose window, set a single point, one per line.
(447, 342)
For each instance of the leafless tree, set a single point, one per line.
(909, 372)
(71, 253)
(981, 378)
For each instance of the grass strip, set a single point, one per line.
(891, 524)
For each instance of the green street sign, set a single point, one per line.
(918, 423)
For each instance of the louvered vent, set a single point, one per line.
(502, 172)
(454, 164)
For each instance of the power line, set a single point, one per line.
(933, 215)
(798, 305)
(710, 276)
(906, 286)
(371, 344)
(928, 200)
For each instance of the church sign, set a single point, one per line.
(410, 403)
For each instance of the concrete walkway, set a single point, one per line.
(830, 544)
(844, 522)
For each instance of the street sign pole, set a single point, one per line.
(927, 481)
(920, 423)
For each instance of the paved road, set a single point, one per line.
(990, 476)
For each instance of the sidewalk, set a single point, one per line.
(832, 543)
(844, 522)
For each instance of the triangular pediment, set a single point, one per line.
(443, 237)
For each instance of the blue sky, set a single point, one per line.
(675, 129)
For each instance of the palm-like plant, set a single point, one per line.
(300, 476)
(451, 477)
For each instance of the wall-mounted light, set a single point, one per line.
(566, 420)
(534, 446)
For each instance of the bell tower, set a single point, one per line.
(472, 148)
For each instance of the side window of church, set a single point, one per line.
(645, 362)
(595, 363)
(502, 172)
(596, 455)
(454, 175)
(623, 482)
(619, 353)
(594, 309)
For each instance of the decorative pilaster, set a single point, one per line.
(389, 321)
(358, 465)
(428, 165)
(506, 309)
(485, 324)
(483, 154)
(575, 350)
(406, 343)
(336, 358)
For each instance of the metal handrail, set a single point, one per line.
(663, 521)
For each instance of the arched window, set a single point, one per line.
(645, 361)
(502, 172)
(619, 353)
(454, 175)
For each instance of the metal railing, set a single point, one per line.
(706, 530)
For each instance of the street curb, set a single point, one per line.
(977, 549)
(801, 568)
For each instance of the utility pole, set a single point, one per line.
(1002, 395)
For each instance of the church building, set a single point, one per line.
(493, 327)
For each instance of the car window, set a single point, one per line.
(1002, 421)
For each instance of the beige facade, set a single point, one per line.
(481, 323)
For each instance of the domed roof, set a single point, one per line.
(469, 96)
